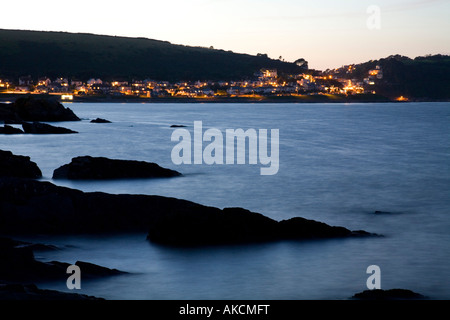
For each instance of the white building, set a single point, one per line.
(93, 81)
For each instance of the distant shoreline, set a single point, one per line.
(319, 98)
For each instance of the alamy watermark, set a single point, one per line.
(374, 280)
(73, 281)
(373, 22)
(221, 150)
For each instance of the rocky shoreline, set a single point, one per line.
(17, 264)
(19, 270)
(31, 207)
(37, 207)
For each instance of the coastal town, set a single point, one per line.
(264, 83)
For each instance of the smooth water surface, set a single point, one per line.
(339, 163)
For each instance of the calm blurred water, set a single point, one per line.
(338, 164)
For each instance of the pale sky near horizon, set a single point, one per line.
(327, 33)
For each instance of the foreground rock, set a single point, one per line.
(34, 207)
(18, 166)
(10, 130)
(391, 294)
(32, 292)
(100, 120)
(103, 168)
(43, 128)
(47, 110)
(17, 265)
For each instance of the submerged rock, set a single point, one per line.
(382, 212)
(391, 294)
(43, 128)
(18, 166)
(87, 167)
(35, 207)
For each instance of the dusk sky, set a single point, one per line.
(327, 33)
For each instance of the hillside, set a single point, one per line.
(82, 56)
(426, 77)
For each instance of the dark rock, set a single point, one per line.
(237, 225)
(38, 207)
(382, 212)
(177, 126)
(100, 120)
(211, 226)
(43, 128)
(391, 294)
(35, 207)
(6, 243)
(363, 233)
(18, 166)
(32, 292)
(17, 264)
(298, 227)
(47, 110)
(10, 130)
(13, 121)
(7, 114)
(103, 168)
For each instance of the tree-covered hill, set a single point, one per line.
(426, 77)
(82, 56)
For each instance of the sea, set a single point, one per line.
(379, 167)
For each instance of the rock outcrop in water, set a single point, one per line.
(28, 109)
(18, 166)
(100, 120)
(47, 110)
(89, 168)
(35, 207)
(43, 128)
